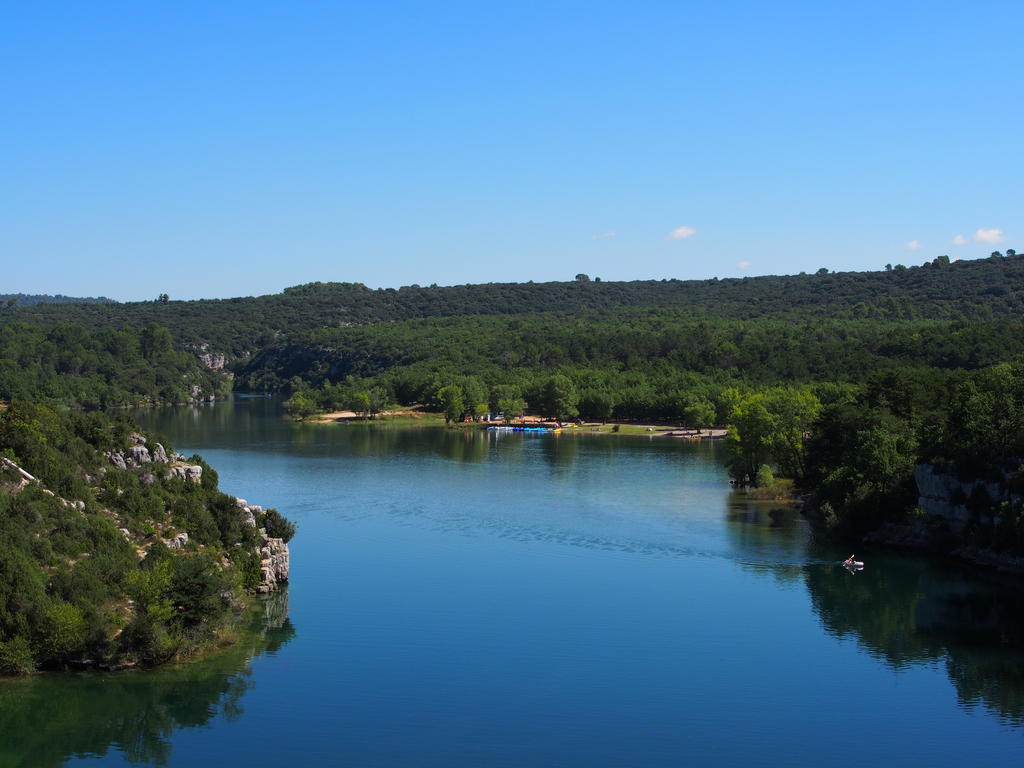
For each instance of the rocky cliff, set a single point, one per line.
(273, 552)
(962, 518)
(944, 496)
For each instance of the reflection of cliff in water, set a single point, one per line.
(907, 611)
(48, 719)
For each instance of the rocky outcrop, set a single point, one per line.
(249, 511)
(215, 361)
(139, 454)
(274, 563)
(177, 542)
(21, 473)
(192, 472)
(273, 552)
(944, 496)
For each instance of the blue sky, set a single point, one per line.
(235, 148)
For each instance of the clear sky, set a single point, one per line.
(234, 148)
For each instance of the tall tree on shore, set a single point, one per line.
(452, 401)
(559, 398)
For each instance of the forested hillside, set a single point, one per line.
(16, 300)
(65, 364)
(629, 354)
(989, 288)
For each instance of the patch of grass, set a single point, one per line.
(781, 489)
(623, 429)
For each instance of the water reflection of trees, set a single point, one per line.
(50, 718)
(907, 611)
(559, 451)
(770, 537)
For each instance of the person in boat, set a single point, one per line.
(849, 561)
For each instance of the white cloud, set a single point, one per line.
(745, 264)
(604, 236)
(682, 233)
(990, 236)
(913, 245)
(959, 240)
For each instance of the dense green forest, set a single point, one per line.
(640, 358)
(95, 564)
(991, 288)
(65, 364)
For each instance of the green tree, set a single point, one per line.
(886, 454)
(16, 657)
(559, 398)
(452, 401)
(750, 430)
(793, 411)
(62, 631)
(360, 403)
(155, 341)
(474, 395)
(699, 414)
(507, 399)
(597, 405)
(369, 402)
(301, 406)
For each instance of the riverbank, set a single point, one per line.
(417, 417)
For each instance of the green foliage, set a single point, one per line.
(452, 402)
(973, 290)
(278, 526)
(699, 413)
(61, 632)
(750, 433)
(16, 657)
(301, 406)
(507, 399)
(66, 364)
(559, 398)
(70, 580)
(597, 405)
(765, 478)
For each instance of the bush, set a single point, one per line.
(278, 526)
(16, 657)
(62, 632)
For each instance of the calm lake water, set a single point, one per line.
(473, 600)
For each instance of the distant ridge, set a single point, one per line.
(31, 299)
(982, 289)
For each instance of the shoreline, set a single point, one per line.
(414, 417)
